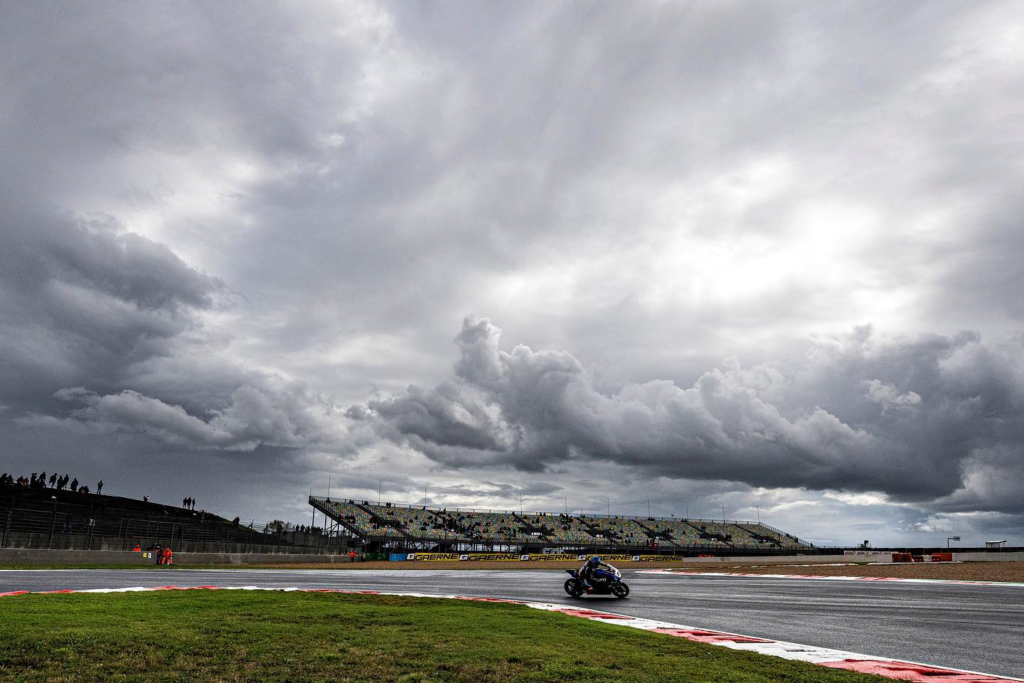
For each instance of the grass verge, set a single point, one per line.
(267, 636)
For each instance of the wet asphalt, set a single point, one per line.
(978, 628)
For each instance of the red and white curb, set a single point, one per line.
(835, 659)
(819, 577)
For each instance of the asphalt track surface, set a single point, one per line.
(979, 628)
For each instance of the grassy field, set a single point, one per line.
(268, 636)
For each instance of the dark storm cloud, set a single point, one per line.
(917, 419)
(216, 224)
(82, 301)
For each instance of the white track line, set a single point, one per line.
(836, 659)
(819, 577)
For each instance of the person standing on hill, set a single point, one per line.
(99, 488)
(53, 480)
(74, 485)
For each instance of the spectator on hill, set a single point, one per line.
(99, 488)
(145, 499)
(53, 480)
(74, 484)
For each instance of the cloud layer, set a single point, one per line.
(929, 419)
(221, 228)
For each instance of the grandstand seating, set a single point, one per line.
(63, 519)
(357, 518)
(414, 522)
(561, 529)
(428, 524)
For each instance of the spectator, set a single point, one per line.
(74, 485)
(99, 488)
(53, 480)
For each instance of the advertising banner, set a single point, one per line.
(513, 557)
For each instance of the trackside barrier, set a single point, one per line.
(912, 557)
(515, 557)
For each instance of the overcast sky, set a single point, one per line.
(751, 259)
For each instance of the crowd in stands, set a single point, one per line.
(40, 481)
(387, 520)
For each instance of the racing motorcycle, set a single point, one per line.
(603, 581)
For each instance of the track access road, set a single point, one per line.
(974, 627)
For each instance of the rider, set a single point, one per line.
(588, 569)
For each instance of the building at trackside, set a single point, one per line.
(382, 527)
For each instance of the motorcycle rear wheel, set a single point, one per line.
(573, 588)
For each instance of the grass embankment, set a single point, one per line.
(266, 636)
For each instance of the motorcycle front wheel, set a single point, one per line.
(620, 590)
(573, 588)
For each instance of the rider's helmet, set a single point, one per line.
(594, 561)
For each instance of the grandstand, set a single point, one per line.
(47, 518)
(383, 526)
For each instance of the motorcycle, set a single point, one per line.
(602, 581)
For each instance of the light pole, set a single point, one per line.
(951, 538)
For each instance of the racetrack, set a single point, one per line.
(962, 626)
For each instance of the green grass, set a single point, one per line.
(269, 636)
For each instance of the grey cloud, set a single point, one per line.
(650, 187)
(812, 425)
(253, 418)
(438, 416)
(84, 300)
